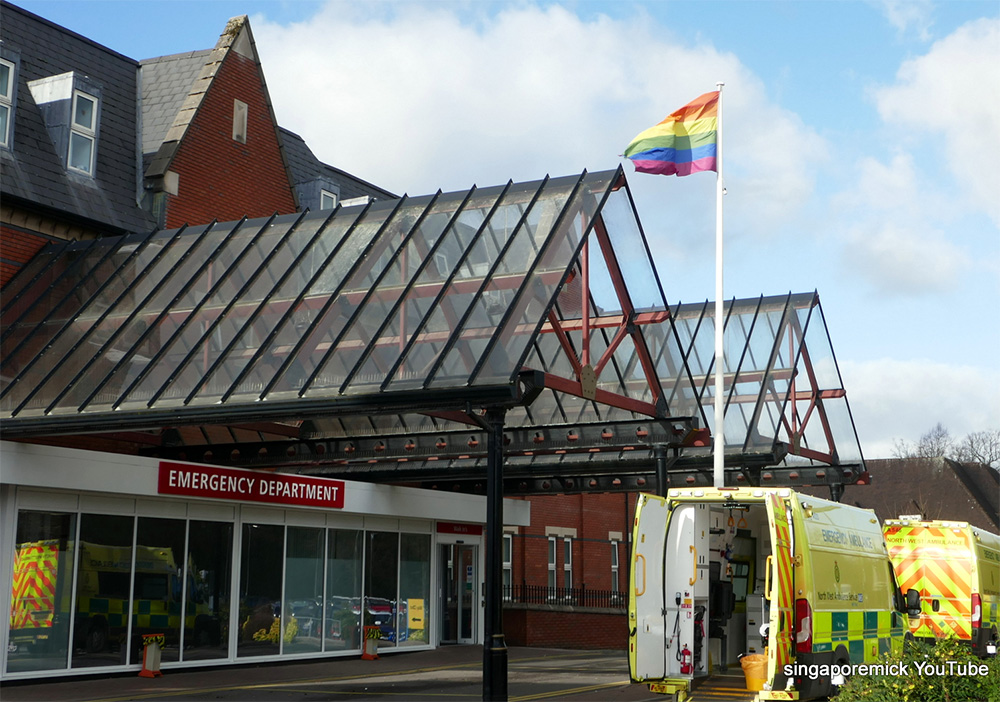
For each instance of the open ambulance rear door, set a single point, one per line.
(647, 607)
(779, 590)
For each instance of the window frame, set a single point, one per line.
(241, 118)
(7, 102)
(567, 565)
(334, 198)
(615, 561)
(86, 132)
(508, 566)
(552, 567)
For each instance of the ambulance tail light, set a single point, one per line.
(977, 611)
(803, 626)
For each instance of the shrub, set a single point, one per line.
(945, 671)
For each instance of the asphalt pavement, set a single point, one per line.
(449, 673)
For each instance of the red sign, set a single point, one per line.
(457, 528)
(251, 486)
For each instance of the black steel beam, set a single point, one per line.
(494, 645)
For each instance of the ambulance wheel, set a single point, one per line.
(840, 658)
(97, 635)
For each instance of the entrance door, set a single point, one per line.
(459, 593)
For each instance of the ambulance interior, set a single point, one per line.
(715, 579)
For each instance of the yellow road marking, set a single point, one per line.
(569, 691)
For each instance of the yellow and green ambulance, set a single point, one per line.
(722, 572)
(956, 569)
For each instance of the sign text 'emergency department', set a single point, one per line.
(230, 484)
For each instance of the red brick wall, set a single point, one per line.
(561, 628)
(17, 247)
(593, 516)
(221, 178)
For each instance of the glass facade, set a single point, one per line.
(260, 590)
(87, 587)
(343, 588)
(103, 588)
(414, 588)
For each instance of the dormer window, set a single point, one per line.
(71, 109)
(327, 200)
(6, 101)
(83, 132)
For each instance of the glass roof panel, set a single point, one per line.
(90, 325)
(250, 363)
(622, 225)
(37, 323)
(48, 263)
(370, 347)
(455, 324)
(568, 226)
(330, 350)
(421, 328)
(188, 339)
(124, 332)
(304, 336)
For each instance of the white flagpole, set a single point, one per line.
(719, 449)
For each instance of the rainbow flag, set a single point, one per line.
(682, 144)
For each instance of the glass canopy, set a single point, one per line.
(405, 318)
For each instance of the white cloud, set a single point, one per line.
(947, 103)
(892, 399)
(909, 15)
(893, 240)
(419, 96)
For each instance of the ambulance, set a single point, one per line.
(41, 596)
(717, 573)
(39, 600)
(956, 569)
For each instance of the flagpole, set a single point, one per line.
(719, 448)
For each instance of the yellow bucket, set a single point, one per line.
(755, 670)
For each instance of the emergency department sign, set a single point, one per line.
(231, 484)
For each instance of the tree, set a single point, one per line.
(936, 442)
(978, 447)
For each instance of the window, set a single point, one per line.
(552, 566)
(83, 132)
(614, 566)
(508, 571)
(6, 101)
(327, 200)
(568, 565)
(240, 121)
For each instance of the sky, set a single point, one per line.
(861, 147)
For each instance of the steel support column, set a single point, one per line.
(660, 453)
(494, 646)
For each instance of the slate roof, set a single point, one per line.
(305, 167)
(935, 488)
(166, 82)
(32, 172)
